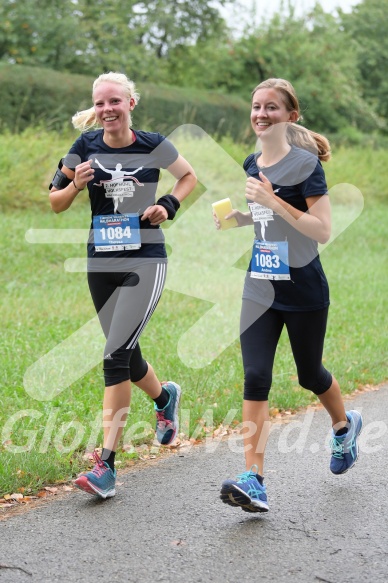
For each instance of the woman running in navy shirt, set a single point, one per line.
(127, 259)
(285, 284)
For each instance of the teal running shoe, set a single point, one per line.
(344, 448)
(246, 491)
(167, 420)
(100, 481)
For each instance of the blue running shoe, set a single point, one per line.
(246, 492)
(167, 420)
(100, 481)
(344, 448)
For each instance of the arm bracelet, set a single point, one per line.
(76, 187)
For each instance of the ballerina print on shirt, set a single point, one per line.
(121, 185)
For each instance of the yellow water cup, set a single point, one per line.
(222, 208)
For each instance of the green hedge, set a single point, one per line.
(32, 96)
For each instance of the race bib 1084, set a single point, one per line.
(116, 232)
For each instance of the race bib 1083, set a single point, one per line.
(270, 260)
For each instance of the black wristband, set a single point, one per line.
(170, 203)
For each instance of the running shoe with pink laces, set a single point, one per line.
(167, 420)
(100, 481)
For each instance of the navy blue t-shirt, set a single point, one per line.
(125, 181)
(296, 177)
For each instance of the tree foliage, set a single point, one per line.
(336, 62)
(367, 23)
(79, 36)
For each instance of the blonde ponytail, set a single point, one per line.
(85, 120)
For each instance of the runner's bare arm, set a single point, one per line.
(61, 200)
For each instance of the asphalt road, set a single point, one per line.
(167, 523)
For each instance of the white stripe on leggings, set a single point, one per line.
(155, 296)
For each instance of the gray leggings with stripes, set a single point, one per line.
(124, 303)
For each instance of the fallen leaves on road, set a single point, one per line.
(18, 499)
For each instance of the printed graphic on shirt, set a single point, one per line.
(121, 185)
(261, 214)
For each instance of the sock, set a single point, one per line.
(108, 456)
(260, 479)
(341, 431)
(163, 399)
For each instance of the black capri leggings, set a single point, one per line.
(259, 334)
(124, 303)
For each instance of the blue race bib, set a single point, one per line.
(270, 260)
(116, 232)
